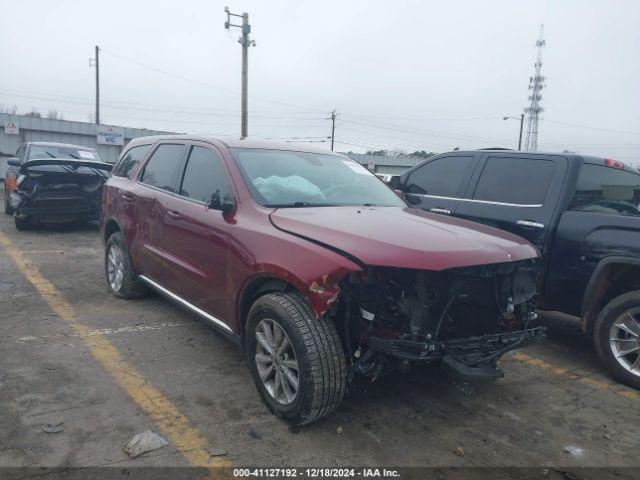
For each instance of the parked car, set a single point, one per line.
(53, 183)
(313, 265)
(582, 214)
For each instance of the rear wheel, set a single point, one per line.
(296, 359)
(122, 280)
(617, 338)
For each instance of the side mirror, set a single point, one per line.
(14, 162)
(394, 182)
(228, 206)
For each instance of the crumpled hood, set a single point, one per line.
(403, 237)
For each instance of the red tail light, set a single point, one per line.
(613, 163)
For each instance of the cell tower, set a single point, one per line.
(536, 84)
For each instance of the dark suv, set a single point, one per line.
(581, 212)
(311, 263)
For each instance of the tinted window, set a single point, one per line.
(441, 177)
(607, 190)
(130, 160)
(205, 177)
(522, 181)
(161, 167)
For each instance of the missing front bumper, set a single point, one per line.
(470, 358)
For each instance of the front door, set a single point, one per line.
(437, 185)
(196, 233)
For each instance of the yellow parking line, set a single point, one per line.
(599, 384)
(170, 421)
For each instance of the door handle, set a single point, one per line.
(440, 210)
(127, 198)
(173, 214)
(529, 223)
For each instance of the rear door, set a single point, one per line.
(516, 192)
(156, 183)
(437, 185)
(196, 232)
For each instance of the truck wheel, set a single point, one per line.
(7, 208)
(22, 223)
(296, 360)
(122, 280)
(617, 338)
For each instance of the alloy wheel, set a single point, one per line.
(115, 267)
(276, 361)
(624, 340)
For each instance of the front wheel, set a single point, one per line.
(7, 207)
(296, 359)
(617, 338)
(22, 223)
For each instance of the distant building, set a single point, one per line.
(384, 164)
(108, 139)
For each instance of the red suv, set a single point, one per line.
(313, 265)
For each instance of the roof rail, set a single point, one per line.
(495, 148)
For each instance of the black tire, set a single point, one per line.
(322, 371)
(130, 286)
(614, 310)
(7, 208)
(22, 223)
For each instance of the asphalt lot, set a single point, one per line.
(108, 369)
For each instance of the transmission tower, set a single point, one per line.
(536, 84)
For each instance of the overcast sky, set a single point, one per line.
(405, 75)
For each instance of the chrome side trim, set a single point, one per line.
(217, 322)
(476, 201)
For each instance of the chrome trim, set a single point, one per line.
(476, 201)
(217, 322)
(528, 223)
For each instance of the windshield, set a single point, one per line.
(53, 151)
(280, 178)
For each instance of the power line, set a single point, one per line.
(592, 128)
(204, 84)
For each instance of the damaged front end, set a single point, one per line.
(465, 318)
(55, 191)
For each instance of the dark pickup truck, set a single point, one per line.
(581, 212)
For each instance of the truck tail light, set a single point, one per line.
(613, 163)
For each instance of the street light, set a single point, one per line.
(521, 118)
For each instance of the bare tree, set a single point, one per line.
(10, 110)
(53, 114)
(33, 113)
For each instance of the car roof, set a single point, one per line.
(570, 156)
(233, 142)
(57, 144)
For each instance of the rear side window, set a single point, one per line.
(441, 177)
(205, 177)
(130, 160)
(607, 190)
(161, 168)
(520, 181)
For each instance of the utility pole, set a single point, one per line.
(246, 42)
(536, 84)
(96, 63)
(333, 127)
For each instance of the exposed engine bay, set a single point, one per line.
(59, 190)
(465, 317)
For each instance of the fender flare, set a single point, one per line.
(594, 292)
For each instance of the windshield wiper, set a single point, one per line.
(73, 156)
(298, 204)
